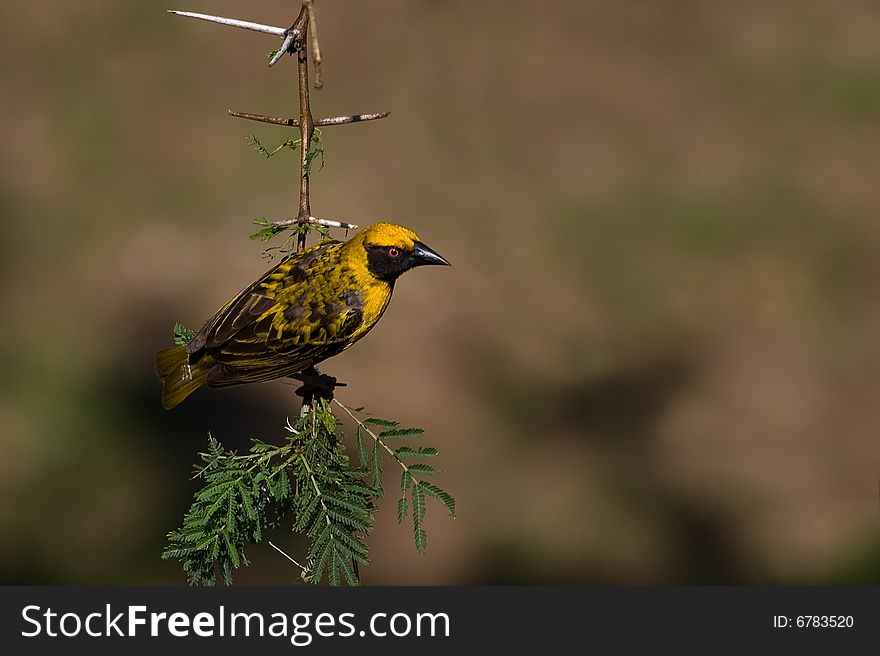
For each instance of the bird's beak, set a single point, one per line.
(423, 255)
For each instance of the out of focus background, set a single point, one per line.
(656, 359)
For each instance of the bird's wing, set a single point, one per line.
(245, 361)
(304, 310)
(243, 311)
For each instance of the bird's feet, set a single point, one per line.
(316, 385)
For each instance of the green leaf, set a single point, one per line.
(401, 510)
(418, 513)
(315, 150)
(333, 569)
(342, 504)
(380, 422)
(401, 433)
(230, 515)
(377, 468)
(352, 521)
(182, 334)
(421, 539)
(421, 452)
(267, 230)
(351, 541)
(247, 502)
(260, 148)
(328, 419)
(258, 446)
(361, 449)
(321, 561)
(222, 488)
(439, 493)
(282, 486)
(306, 515)
(231, 550)
(422, 468)
(348, 571)
(359, 488)
(209, 512)
(418, 501)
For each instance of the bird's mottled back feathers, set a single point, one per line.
(292, 316)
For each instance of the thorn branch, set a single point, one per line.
(300, 38)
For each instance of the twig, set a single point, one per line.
(306, 126)
(321, 122)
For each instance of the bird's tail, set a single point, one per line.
(179, 377)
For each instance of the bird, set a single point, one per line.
(314, 304)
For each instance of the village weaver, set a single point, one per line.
(311, 306)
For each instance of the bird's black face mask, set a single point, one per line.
(388, 262)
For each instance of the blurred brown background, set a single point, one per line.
(655, 359)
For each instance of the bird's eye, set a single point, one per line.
(393, 252)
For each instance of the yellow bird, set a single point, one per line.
(311, 306)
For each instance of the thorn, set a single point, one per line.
(285, 47)
(232, 22)
(356, 118)
(286, 556)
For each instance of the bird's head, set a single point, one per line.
(391, 250)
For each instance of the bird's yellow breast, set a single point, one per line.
(376, 293)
